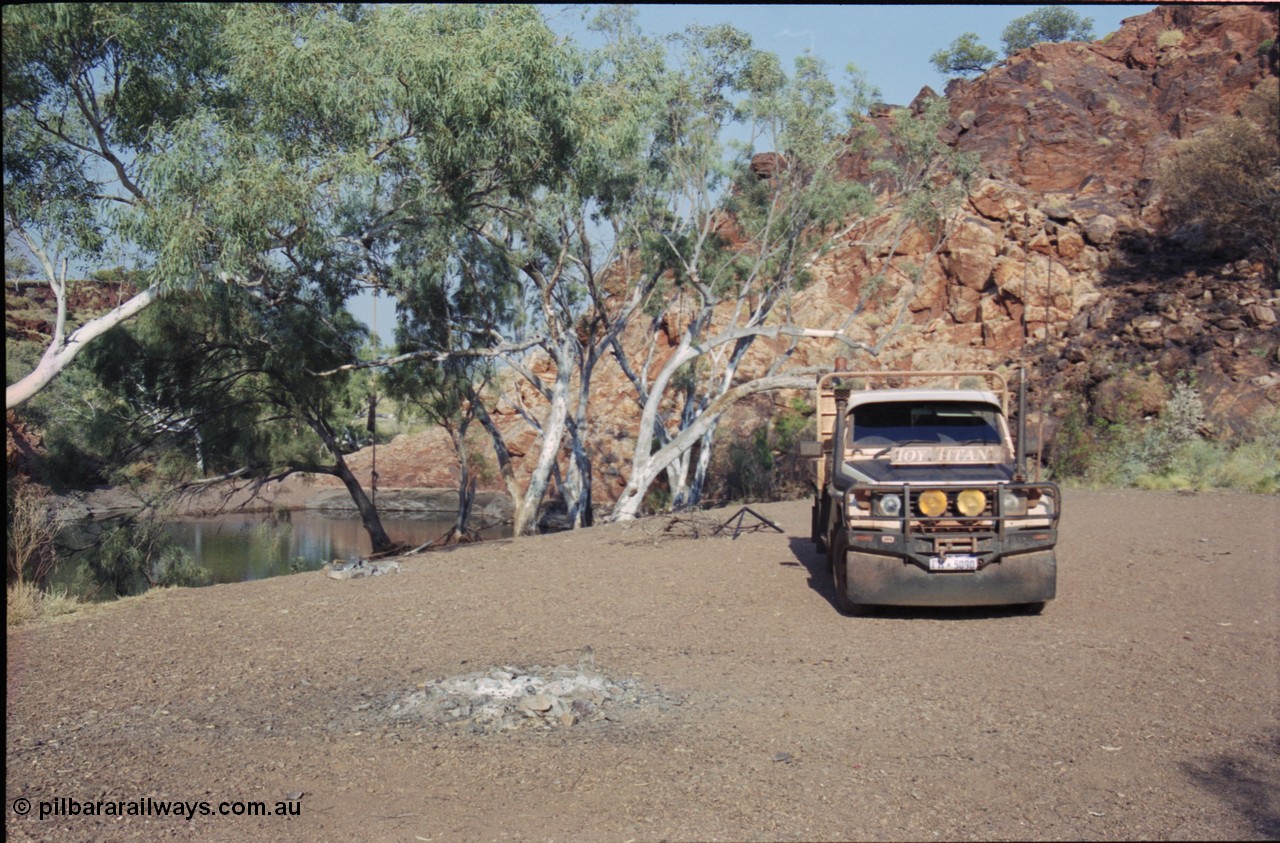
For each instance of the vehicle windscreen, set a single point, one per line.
(924, 422)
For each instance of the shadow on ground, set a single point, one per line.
(1246, 786)
(820, 580)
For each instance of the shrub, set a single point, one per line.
(1168, 452)
(22, 604)
(135, 554)
(1225, 182)
(1048, 23)
(766, 465)
(1170, 38)
(749, 472)
(30, 550)
(966, 55)
(25, 602)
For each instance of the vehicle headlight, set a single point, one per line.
(932, 503)
(971, 502)
(1012, 503)
(890, 505)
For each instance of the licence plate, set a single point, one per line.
(953, 562)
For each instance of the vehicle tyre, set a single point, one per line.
(820, 526)
(839, 558)
(829, 546)
(1032, 608)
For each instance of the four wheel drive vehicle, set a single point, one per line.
(921, 496)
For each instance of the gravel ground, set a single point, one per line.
(1142, 704)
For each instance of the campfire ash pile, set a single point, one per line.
(508, 698)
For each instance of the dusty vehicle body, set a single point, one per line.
(921, 497)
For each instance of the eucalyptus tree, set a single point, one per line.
(92, 92)
(964, 56)
(733, 243)
(268, 146)
(559, 270)
(404, 127)
(298, 148)
(452, 303)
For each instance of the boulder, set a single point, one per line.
(972, 252)
(996, 200)
(1070, 244)
(964, 304)
(1100, 230)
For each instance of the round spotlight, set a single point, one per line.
(971, 502)
(932, 503)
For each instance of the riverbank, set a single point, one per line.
(490, 508)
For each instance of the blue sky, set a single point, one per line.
(891, 45)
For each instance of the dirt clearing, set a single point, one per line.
(1143, 703)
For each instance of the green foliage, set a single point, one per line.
(134, 554)
(779, 221)
(1225, 182)
(1168, 452)
(1048, 23)
(72, 413)
(931, 178)
(286, 148)
(90, 91)
(748, 472)
(219, 381)
(791, 423)
(965, 56)
(764, 466)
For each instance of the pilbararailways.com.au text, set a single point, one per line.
(147, 807)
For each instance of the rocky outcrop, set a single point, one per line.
(1056, 258)
(1096, 119)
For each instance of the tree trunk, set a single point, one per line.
(466, 500)
(60, 354)
(645, 471)
(552, 434)
(505, 466)
(699, 483)
(368, 513)
(378, 537)
(577, 490)
(466, 485)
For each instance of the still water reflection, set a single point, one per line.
(254, 546)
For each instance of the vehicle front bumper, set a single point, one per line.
(888, 580)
